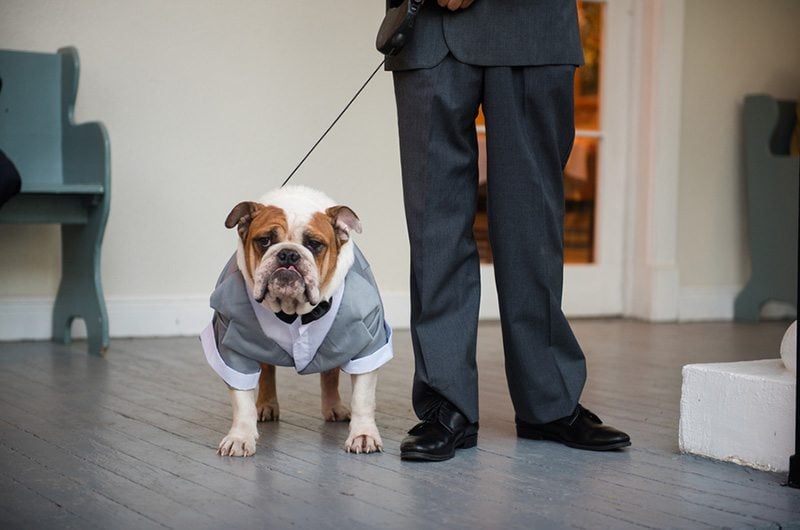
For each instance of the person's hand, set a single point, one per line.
(454, 5)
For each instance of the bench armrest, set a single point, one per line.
(86, 155)
(85, 147)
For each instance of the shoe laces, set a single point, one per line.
(416, 429)
(581, 410)
(432, 414)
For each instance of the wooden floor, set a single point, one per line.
(128, 441)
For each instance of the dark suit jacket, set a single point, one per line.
(494, 33)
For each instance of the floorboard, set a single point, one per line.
(128, 441)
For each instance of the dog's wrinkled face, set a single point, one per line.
(290, 255)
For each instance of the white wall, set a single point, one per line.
(208, 103)
(731, 48)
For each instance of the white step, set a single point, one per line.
(741, 412)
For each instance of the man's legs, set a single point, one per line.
(530, 130)
(438, 149)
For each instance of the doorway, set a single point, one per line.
(594, 176)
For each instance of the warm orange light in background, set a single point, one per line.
(580, 173)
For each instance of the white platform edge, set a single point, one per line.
(768, 441)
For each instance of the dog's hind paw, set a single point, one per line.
(268, 411)
(336, 412)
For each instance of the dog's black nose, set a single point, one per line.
(287, 257)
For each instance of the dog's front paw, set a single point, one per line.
(364, 438)
(237, 443)
(268, 411)
(335, 412)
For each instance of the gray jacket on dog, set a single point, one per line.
(353, 335)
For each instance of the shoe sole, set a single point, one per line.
(466, 443)
(529, 435)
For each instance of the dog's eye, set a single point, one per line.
(263, 242)
(314, 246)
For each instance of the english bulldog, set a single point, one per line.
(299, 293)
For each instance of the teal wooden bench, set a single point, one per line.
(65, 171)
(772, 178)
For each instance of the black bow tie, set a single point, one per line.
(315, 314)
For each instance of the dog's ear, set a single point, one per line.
(343, 220)
(241, 216)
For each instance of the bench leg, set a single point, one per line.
(748, 303)
(80, 293)
(758, 291)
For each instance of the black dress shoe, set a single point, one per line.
(438, 435)
(582, 430)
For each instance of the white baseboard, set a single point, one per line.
(706, 303)
(154, 317)
(716, 303)
(31, 318)
(25, 319)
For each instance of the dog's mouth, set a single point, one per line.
(285, 285)
(285, 274)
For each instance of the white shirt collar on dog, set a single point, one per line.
(301, 341)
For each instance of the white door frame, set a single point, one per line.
(636, 272)
(652, 282)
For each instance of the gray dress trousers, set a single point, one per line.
(517, 59)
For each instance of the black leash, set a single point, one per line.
(334, 122)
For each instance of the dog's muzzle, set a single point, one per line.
(286, 279)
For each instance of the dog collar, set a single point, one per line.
(315, 314)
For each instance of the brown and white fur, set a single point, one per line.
(294, 251)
